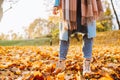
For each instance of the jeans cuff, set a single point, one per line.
(87, 56)
(62, 58)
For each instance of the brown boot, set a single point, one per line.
(60, 67)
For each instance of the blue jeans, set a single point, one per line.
(87, 48)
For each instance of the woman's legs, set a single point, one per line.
(87, 46)
(64, 45)
(87, 51)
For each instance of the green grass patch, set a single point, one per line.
(102, 38)
(31, 42)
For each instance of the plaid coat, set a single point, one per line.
(90, 29)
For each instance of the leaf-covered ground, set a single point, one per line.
(38, 63)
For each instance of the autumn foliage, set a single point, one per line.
(38, 63)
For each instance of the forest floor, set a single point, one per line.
(39, 62)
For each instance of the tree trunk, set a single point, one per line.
(1, 10)
(117, 19)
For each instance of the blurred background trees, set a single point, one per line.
(49, 27)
